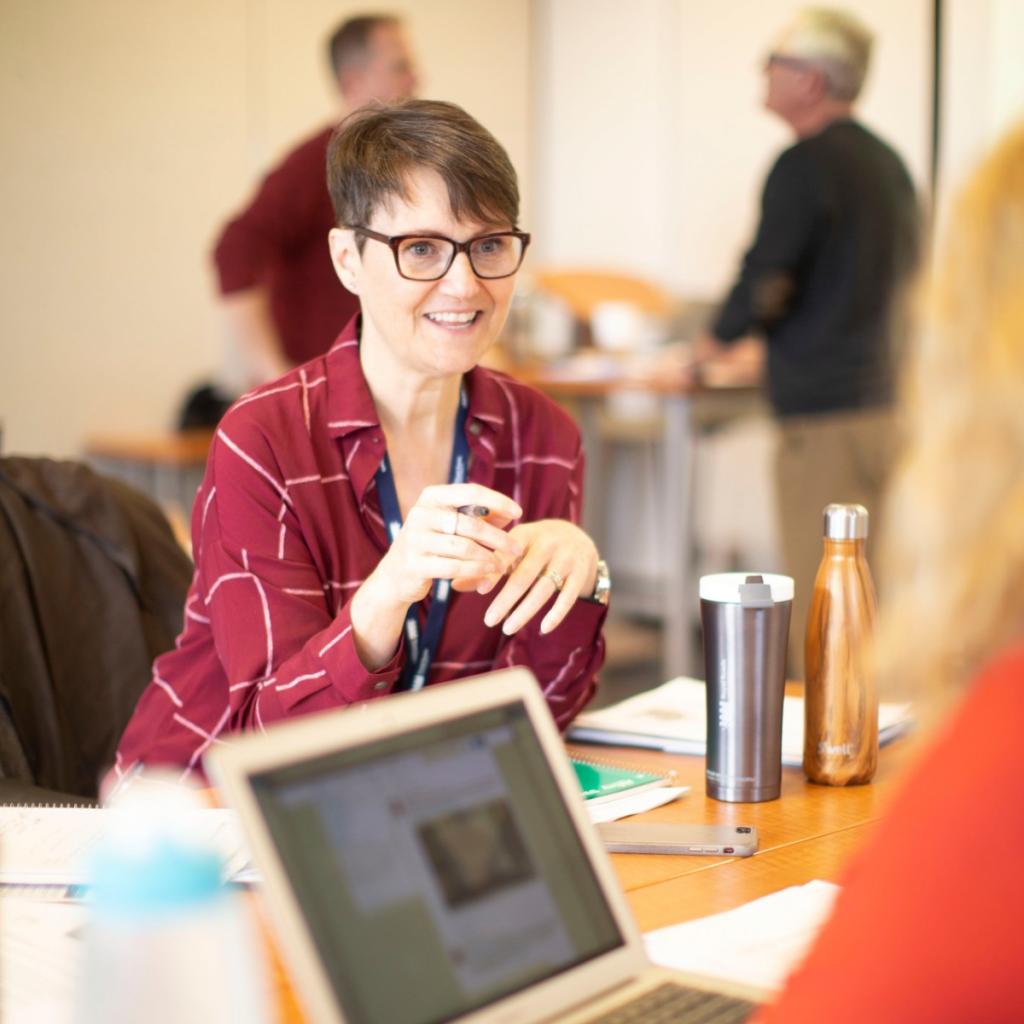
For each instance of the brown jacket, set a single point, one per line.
(92, 588)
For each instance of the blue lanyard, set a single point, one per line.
(421, 652)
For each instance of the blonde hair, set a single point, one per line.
(954, 558)
(836, 43)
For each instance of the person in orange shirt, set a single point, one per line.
(927, 925)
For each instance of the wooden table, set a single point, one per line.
(808, 833)
(685, 405)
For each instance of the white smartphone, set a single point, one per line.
(667, 837)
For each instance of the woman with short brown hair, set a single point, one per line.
(391, 515)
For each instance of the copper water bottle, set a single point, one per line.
(841, 699)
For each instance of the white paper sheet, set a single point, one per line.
(758, 943)
(39, 960)
(624, 806)
(673, 717)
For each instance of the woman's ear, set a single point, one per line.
(345, 257)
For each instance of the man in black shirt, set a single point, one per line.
(822, 281)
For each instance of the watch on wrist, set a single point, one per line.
(603, 584)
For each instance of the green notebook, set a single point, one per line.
(603, 782)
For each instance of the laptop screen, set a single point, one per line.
(438, 870)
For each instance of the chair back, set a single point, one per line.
(583, 290)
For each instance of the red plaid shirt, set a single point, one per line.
(286, 525)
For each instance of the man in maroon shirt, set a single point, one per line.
(281, 299)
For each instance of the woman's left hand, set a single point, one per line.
(558, 557)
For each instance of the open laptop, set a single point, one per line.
(428, 858)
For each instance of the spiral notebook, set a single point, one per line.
(601, 782)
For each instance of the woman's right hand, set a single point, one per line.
(437, 541)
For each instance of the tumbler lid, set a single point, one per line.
(745, 588)
(845, 522)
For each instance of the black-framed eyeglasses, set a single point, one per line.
(429, 257)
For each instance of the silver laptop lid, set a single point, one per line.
(428, 858)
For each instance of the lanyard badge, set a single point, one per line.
(422, 648)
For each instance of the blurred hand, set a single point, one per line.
(707, 347)
(672, 361)
(557, 556)
(437, 541)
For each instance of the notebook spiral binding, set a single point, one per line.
(622, 766)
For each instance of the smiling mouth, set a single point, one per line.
(454, 321)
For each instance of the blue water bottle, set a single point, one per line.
(167, 941)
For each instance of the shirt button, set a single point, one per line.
(376, 438)
(380, 686)
(475, 428)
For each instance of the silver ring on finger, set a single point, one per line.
(556, 578)
(452, 527)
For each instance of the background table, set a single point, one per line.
(686, 405)
(168, 467)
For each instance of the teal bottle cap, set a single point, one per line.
(156, 854)
(162, 878)
(154, 878)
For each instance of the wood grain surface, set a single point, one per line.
(808, 833)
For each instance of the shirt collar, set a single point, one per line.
(352, 416)
(350, 406)
(486, 401)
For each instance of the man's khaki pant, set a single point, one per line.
(835, 457)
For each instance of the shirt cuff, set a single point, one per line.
(343, 669)
(585, 617)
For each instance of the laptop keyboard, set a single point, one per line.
(675, 1004)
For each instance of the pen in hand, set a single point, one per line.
(480, 512)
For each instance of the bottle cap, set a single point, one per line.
(759, 590)
(845, 522)
(157, 853)
(146, 882)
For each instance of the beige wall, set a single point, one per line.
(608, 149)
(984, 82)
(131, 130)
(651, 140)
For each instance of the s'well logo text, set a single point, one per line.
(826, 749)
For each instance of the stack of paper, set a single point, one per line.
(634, 803)
(613, 791)
(673, 717)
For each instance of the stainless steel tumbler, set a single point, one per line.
(745, 618)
